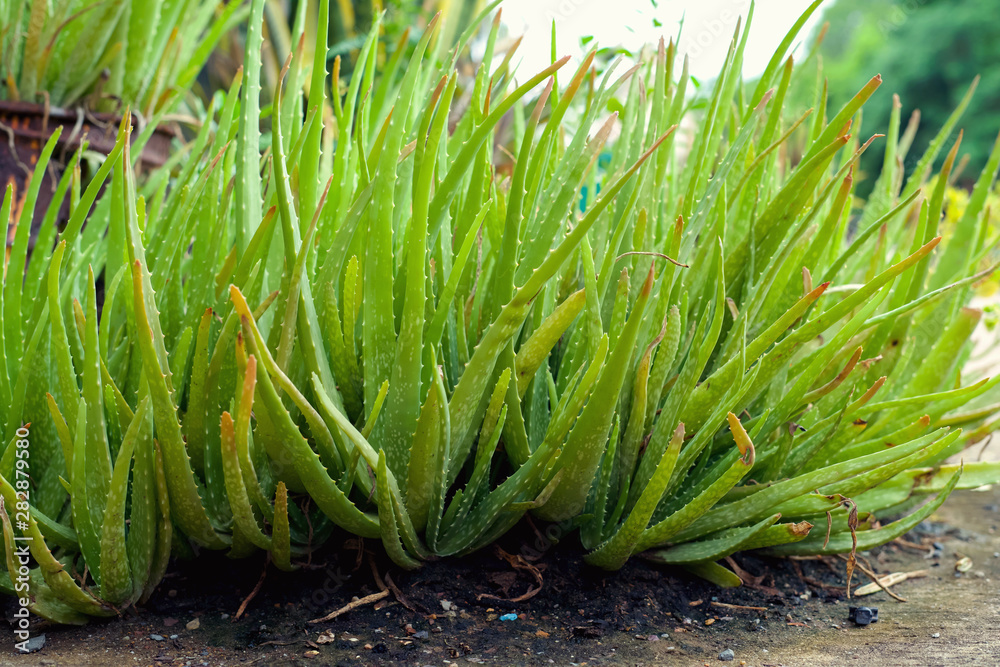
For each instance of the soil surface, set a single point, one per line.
(458, 612)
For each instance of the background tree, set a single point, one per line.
(928, 52)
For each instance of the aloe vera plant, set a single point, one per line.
(108, 53)
(706, 355)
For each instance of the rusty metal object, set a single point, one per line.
(24, 129)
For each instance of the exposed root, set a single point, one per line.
(816, 583)
(253, 593)
(749, 580)
(517, 563)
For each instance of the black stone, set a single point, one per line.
(862, 615)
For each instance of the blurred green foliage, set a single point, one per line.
(928, 52)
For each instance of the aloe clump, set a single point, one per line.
(106, 54)
(373, 316)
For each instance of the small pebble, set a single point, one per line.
(727, 655)
(422, 634)
(446, 605)
(193, 624)
(174, 636)
(936, 635)
(509, 617)
(862, 615)
(35, 643)
(156, 638)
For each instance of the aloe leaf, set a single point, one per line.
(489, 437)
(68, 388)
(449, 185)
(401, 412)
(98, 467)
(855, 486)
(615, 551)
(869, 539)
(714, 573)
(779, 533)
(164, 526)
(54, 573)
(186, 503)
(117, 580)
(296, 453)
(13, 296)
(424, 459)
(80, 499)
(436, 326)
(771, 496)
(708, 392)
(143, 519)
(582, 451)
(537, 348)
(974, 475)
(388, 522)
(674, 523)
(280, 531)
(243, 438)
(239, 501)
(464, 400)
(248, 189)
(712, 549)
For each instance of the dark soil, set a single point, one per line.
(454, 611)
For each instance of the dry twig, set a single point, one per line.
(353, 604)
(726, 605)
(871, 575)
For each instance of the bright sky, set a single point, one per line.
(708, 27)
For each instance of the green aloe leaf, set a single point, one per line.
(869, 539)
(714, 548)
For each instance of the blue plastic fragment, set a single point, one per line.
(509, 617)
